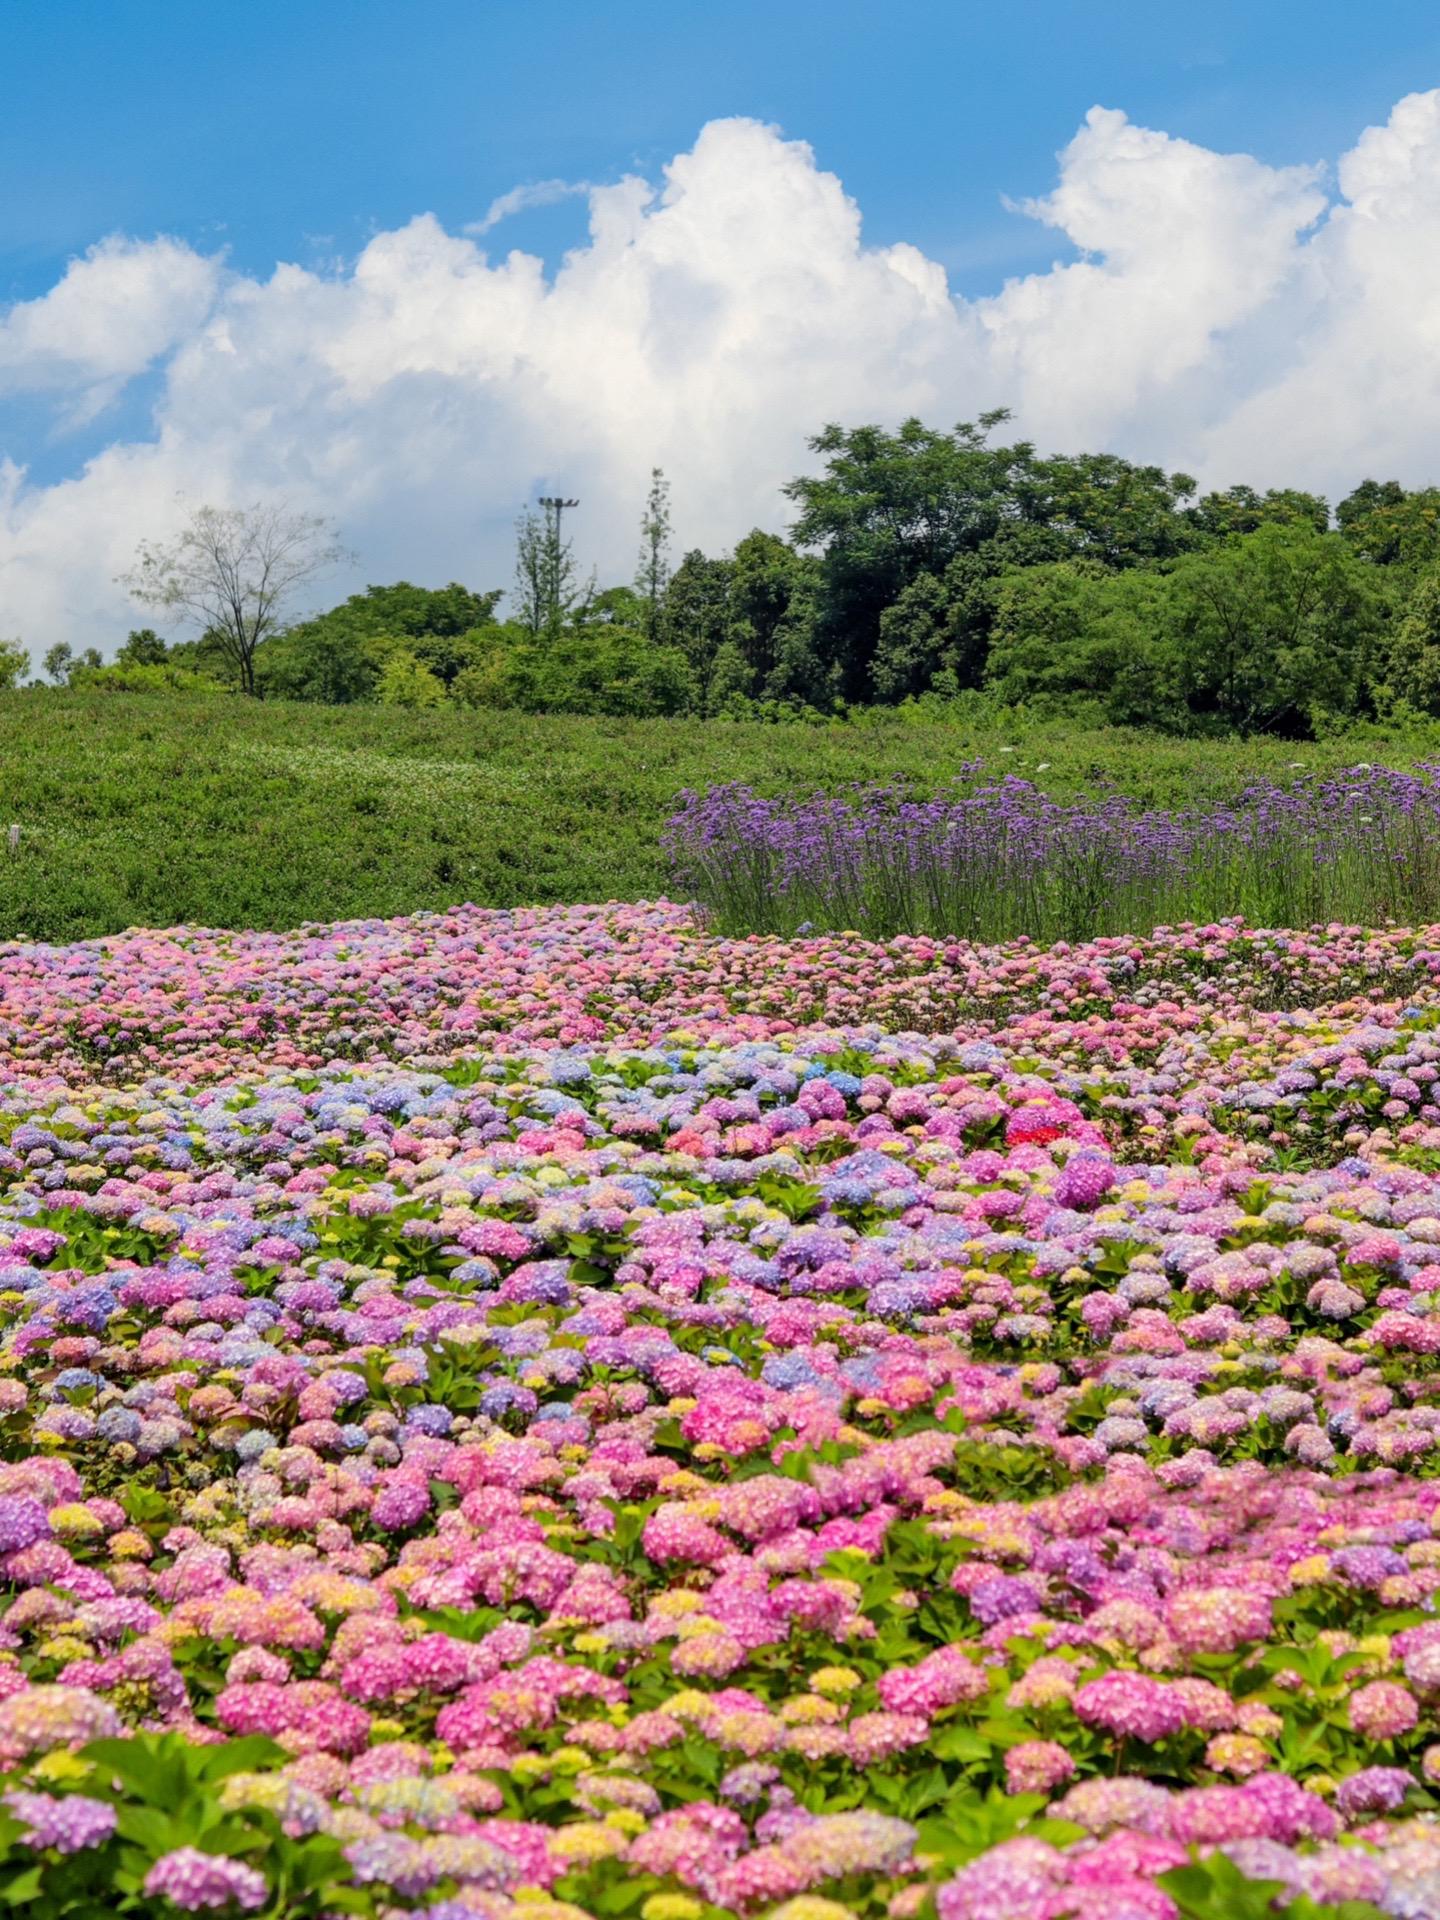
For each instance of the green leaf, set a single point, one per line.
(961, 1743)
(24, 1887)
(1215, 1889)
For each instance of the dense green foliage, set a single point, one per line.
(151, 810)
(406, 646)
(938, 562)
(918, 563)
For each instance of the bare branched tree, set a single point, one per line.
(234, 571)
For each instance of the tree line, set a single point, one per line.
(921, 566)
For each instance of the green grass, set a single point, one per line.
(142, 811)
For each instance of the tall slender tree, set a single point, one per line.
(547, 588)
(530, 605)
(652, 576)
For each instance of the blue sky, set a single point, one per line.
(243, 255)
(291, 129)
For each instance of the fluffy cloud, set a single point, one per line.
(1226, 316)
(116, 312)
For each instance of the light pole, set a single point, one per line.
(552, 503)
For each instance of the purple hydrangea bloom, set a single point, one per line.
(23, 1521)
(66, 1825)
(205, 1882)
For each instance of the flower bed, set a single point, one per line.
(553, 1414)
(996, 856)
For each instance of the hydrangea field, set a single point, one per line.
(545, 1414)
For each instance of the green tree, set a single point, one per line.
(602, 668)
(615, 607)
(892, 508)
(772, 618)
(548, 591)
(652, 575)
(447, 655)
(1390, 527)
(404, 682)
(329, 662)
(619, 672)
(58, 662)
(506, 672)
(62, 664)
(913, 649)
(695, 619)
(1071, 631)
(209, 655)
(1241, 510)
(889, 507)
(1261, 632)
(731, 681)
(143, 648)
(530, 595)
(439, 611)
(14, 663)
(337, 657)
(935, 637)
(1271, 628)
(1370, 497)
(1109, 510)
(1412, 675)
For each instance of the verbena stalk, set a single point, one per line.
(992, 859)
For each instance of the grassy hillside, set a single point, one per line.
(141, 810)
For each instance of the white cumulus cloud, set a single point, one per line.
(115, 312)
(1226, 316)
